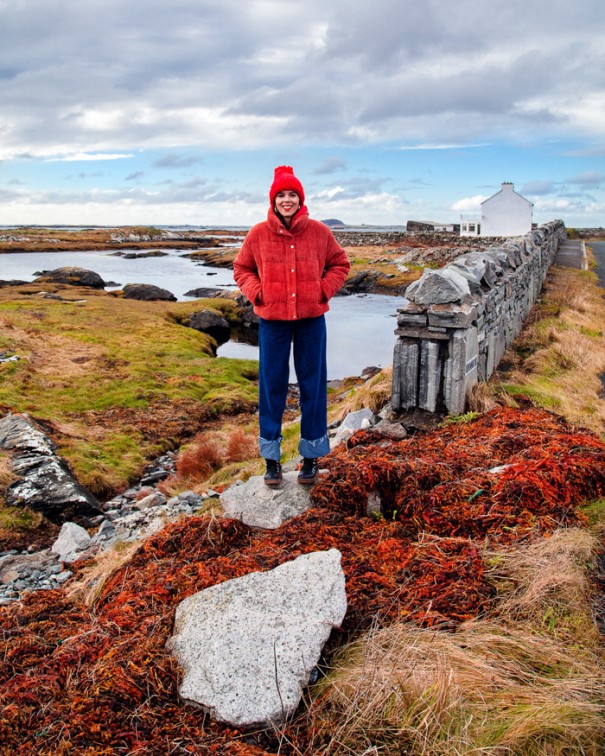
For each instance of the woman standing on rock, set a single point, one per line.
(289, 267)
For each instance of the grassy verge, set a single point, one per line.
(559, 359)
(529, 678)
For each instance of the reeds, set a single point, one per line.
(505, 684)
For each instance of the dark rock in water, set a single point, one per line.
(362, 282)
(212, 324)
(204, 293)
(139, 255)
(147, 293)
(245, 310)
(45, 482)
(13, 282)
(72, 277)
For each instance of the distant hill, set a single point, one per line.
(334, 223)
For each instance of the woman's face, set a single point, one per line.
(287, 203)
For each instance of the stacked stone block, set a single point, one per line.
(459, 320)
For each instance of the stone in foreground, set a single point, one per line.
(247, 646)
(71, 542)
(259, 506)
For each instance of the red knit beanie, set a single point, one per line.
(284, 179)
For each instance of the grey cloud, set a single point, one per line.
(195, 191)
(330, 165)
(176, 161)
(589, 179)
(6, 195)
(356, 187)
(313, 72)
(134, 176)
(538, 188)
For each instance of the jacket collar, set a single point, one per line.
(298, 225)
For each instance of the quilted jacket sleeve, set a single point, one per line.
(336, 268)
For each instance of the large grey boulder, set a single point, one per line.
(45, 483)
(248, 646)
(262, 506)
(147, 293)
(212, 323)
(72, 276)
(438, 287)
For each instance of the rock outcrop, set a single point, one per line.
(247, 646)
(147, 293)
(45, 482)
(72, 276)
(261, 506)
(211, 323)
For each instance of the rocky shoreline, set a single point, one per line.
(132, 516)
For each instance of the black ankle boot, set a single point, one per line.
(309, 471)
(273, 476)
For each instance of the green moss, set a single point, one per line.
(457, 419)
(539, 396)
(18, 518)
(592, 333)
(595, 511)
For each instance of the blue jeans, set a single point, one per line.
(308, 338)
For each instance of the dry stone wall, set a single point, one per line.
(459, 320)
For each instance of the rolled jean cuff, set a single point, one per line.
(313, 449)
(270, 449)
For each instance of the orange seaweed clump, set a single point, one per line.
(505, 476)
(80, 681)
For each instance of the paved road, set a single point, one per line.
(598, 249)
(570, 254)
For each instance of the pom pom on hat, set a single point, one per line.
(284, 179)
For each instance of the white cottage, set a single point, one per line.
(506, 213)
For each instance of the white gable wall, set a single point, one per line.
(506, 213)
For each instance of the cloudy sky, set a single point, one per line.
(176, 112)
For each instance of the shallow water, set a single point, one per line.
(174, 271)
(360, 334)
(360, 328)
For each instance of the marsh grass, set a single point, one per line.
(511, 683)
(95, 366)
(214, 458)
(559, 359)
(372, 394)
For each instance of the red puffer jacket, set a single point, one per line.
(290, 273)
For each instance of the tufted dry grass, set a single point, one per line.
(514, 683)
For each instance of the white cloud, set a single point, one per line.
(469, 204)
(88, 156)
(461, 146)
